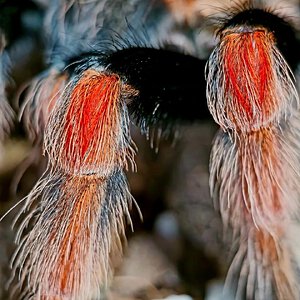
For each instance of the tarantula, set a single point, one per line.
(157, 64)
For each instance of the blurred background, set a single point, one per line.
(178, 248)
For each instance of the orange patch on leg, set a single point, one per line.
(74, 261)
(249, 83)
(92, 127)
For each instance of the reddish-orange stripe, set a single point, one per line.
(92, 118)
(247, 62)
(69, 270)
